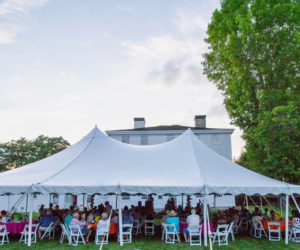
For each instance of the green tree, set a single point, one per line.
(254, 59)
(20, 152)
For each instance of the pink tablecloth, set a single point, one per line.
(15, 227)
(183, 225)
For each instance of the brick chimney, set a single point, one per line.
(139, 122)
(200, 121)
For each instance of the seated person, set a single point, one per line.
(193, 219)
(91, 217)
(103, 223)
(45, 221)
(173, 219)
(126, 217)
(295, 215)
(85, 229)
(68, 218)
(275, 216)
(265, 215)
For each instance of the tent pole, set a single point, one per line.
(120, 220)
(209, 232)
(30, 217)
(280, 204)
(215, 201)
(295, 203)
(252, 201)
(286, 219)
(247, 202)
(83, 200)
(205, 220)
(26, 207)
(182, 200)
(8, 203)
(116, 201)
(260, 199)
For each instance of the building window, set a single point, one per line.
(218, 195)
(199, 195)
(160, 197)
(170, 137)
(215, 140)
(34, 196)
(125, 197)
(55, 198)
(144, 140)
(144, 197)
(125, 138)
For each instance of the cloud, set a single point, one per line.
(13, 13)
(194, 16)
(166, 60)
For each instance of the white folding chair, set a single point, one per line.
(50, 231)
(3, 235)
(257, 230)
(126, 233)
(171, 234)
(149, 227)
(163, 232)
(76, 235)
(25, 233)
(243, 225)
(221, 222)
(294, 233)
(221, 235)
(195, 235)
(136, 229)
(65, 234)
(102, 234)
(274, 233)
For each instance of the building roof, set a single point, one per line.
(168, 127)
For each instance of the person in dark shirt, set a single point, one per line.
(45, 221)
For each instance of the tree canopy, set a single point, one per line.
(20, 152)
(254, 59)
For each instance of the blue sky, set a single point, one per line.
(68, 65)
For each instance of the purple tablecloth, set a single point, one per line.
(183, 225)
(15, 227)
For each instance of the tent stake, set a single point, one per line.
(286, 219)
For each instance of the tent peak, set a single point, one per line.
(96, 132)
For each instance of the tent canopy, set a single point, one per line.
(100, 164)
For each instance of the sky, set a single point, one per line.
(66, 65)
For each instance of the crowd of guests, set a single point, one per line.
(102, 215)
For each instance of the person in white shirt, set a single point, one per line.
(103, 225)
(91, 217)
(193, 219)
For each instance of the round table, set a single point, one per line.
(264, 223)
(14, 227)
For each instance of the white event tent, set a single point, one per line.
(98, 164)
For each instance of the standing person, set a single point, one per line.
(192, 220)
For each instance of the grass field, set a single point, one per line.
(145, 243)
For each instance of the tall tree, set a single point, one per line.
(254, 59)
(20, 152)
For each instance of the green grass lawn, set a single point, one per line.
(144, 243)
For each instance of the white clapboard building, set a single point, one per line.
(216, 138)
